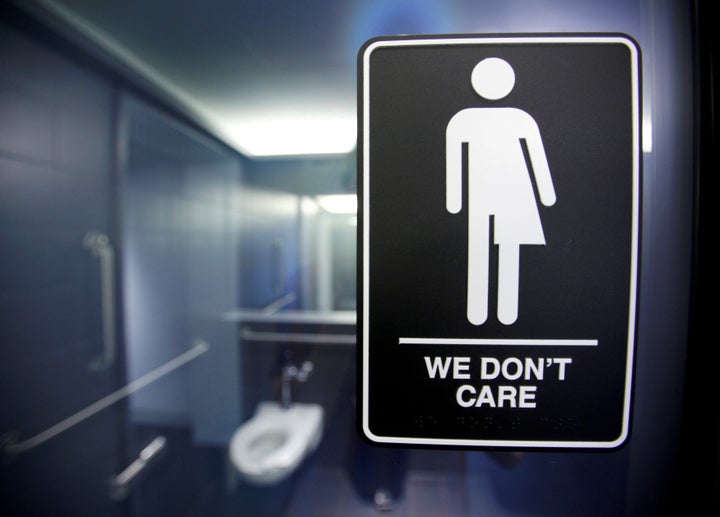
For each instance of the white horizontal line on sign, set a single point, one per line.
(491, 342)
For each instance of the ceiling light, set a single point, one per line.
(289, 135)
(339, 203)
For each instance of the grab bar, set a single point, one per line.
(10, 446)
(298, 337)
(120, 484)
(99, 244)
(278, 304)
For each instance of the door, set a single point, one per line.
(57, 280)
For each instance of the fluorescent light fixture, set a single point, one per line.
(339, 203)
(292, 134)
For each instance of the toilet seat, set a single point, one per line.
(275, 441)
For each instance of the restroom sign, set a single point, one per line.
(499, 234)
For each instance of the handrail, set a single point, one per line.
(99, 244)
(252, 316)
(278, 304)
(298, 337)
(120, 484)
(13, 447)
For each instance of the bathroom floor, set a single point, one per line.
(195, 481)
(328, 492)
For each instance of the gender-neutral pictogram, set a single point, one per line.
(500, 190)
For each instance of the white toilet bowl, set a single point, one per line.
(275, 441)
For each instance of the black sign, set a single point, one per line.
(499, 220)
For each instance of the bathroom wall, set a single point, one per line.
(57, 183)
(180, 204)
(295, 183)
(268, 248)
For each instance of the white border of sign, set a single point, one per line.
(520, 40)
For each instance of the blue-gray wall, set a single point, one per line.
(180, 204)
(57, 134)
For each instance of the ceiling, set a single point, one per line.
(278, 77)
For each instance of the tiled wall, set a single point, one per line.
(56, 184)
(180, 205)
(56, 159)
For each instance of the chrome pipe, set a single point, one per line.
(290, 373)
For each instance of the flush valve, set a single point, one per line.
(291, 372)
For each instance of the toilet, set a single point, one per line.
(275, 441)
